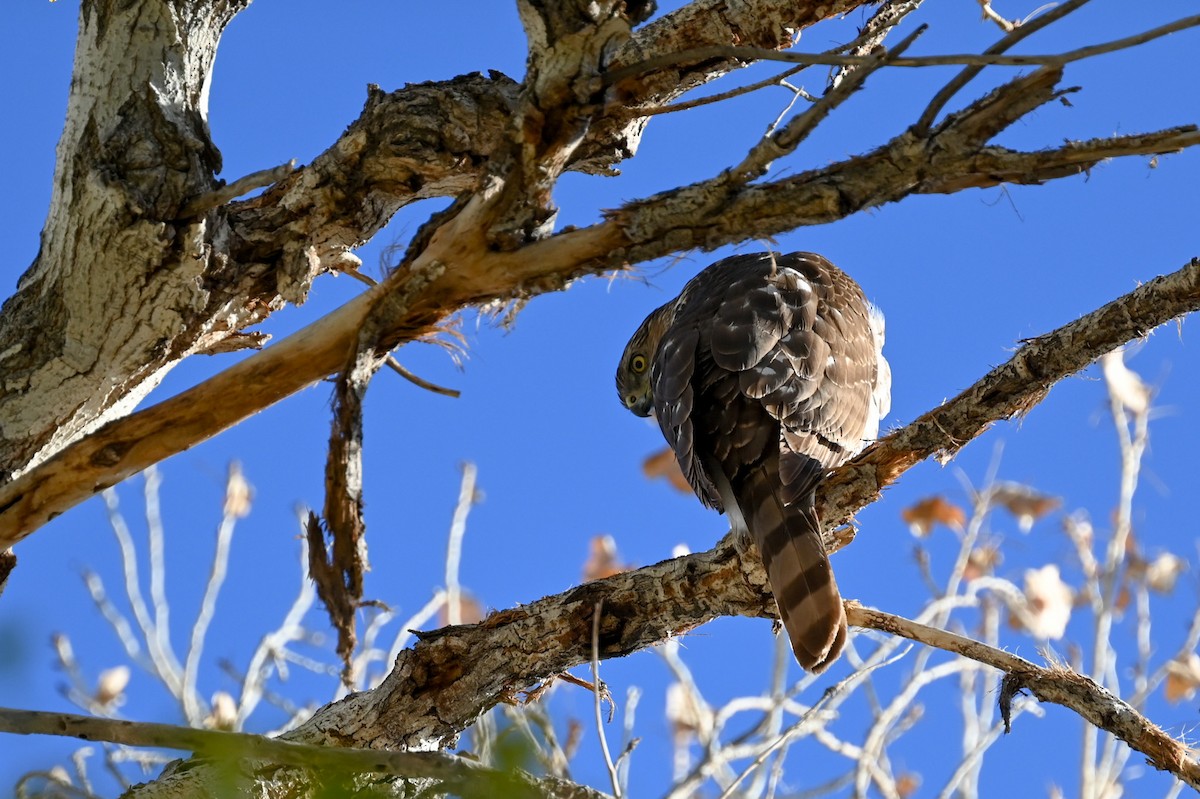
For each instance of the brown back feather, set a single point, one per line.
(767, 373)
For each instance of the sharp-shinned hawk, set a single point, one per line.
(764, 373)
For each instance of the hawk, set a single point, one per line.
(764, 373)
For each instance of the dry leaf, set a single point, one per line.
(1121, 601)
(1023, 502)
(470, 611)
(907, 784)
(110, 685)
(602, 559)
(930, 511)
(982, 561)
(664, 464)
(238, 493)
(687, 714)
(1183, 678)
(1163, 571)
(574, 736)
(1124, 384)
(223, 715)
(1048, 600)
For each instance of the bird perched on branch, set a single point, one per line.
(764, 373)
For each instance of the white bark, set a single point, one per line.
(110, 303)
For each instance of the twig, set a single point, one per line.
(276, 641)
(628, 742)
(155, 545)
(786, 140)
(458, 528)
(57, 778)
(208, 605)
(843, 687)
(417, 620)
(608, 761)
(687, 105)
(1098, 773)
(974, 756)
(887, 17)
(229, 192)
(162, 657)
(875, 743)
(991, 13)
(960, 80)
(1056, 684)
(882, 22)
(420, 381)
(993, 56)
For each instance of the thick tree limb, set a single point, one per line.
(75, 349)
(440, 686)
(129, 281)
(705, 215)
(1057, 684)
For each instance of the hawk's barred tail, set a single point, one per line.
(789, 539)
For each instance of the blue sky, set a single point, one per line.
(962, 279)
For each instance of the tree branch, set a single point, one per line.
(1057, 684)
(452, 675)
(459, 268)
(167, 284)
(974, 60)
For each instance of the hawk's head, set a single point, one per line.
(633, 372)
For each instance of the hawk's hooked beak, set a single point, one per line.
(643, 405)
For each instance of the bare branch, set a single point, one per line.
(975, 61)
(598, 691)
(417, 380)
(415, 707)
(228, 193)
(960, 80)
(426, 140)
(1056, 684)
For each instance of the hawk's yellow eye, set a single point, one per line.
(638, 364)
